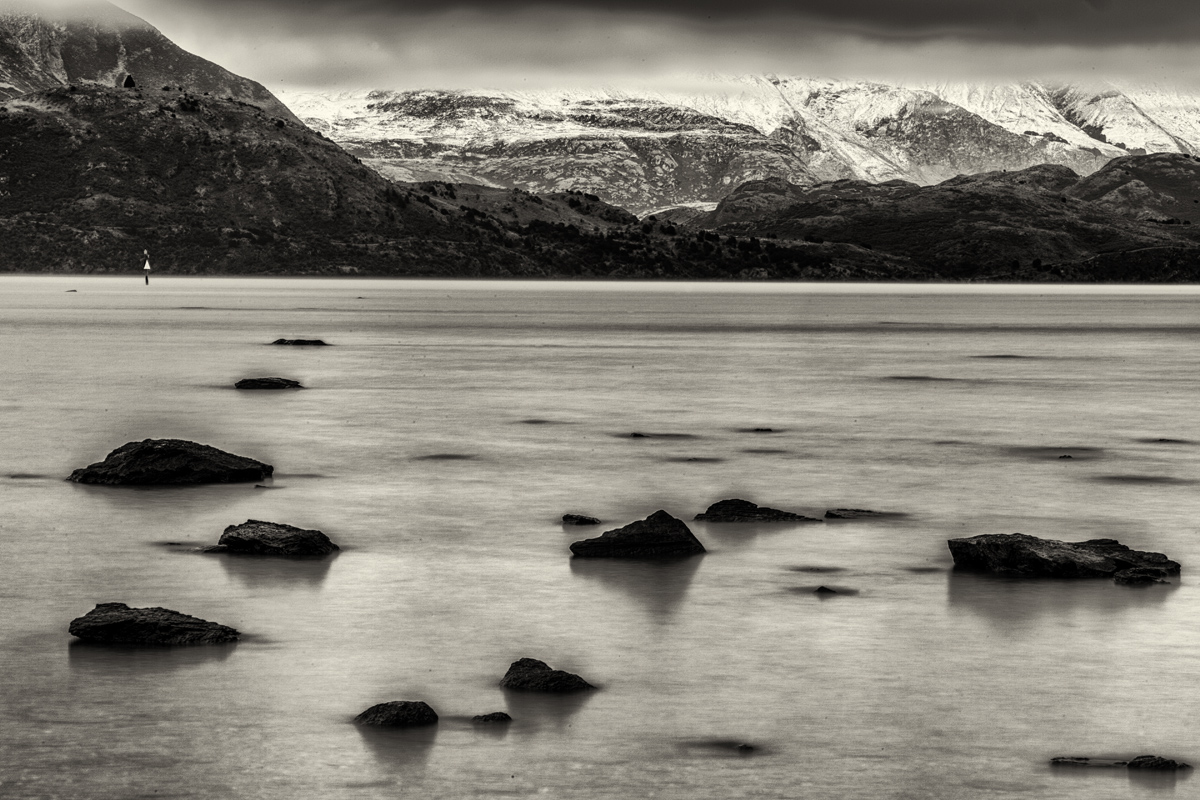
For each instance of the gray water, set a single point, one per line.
(913, 682)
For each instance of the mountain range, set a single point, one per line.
(648, 150)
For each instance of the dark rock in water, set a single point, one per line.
(761, 430)
(1157, 762)
(301, 342)
(638, 436)
(1022, 555)
(659, 534)
(1141, 762)
(1141, 576)
(267, 383)
(399, 714)
(531, 675)
(745, 511)
(1066, 456)
(495, 716)
(71, 291)
(852, 513)
(579, 519)
(273, 539)
(171, 461)
(117, 623)
(824, 590)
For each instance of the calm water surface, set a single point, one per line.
(915, 682)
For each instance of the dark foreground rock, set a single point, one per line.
(117, 623)
(1022, 555)
(1141, 762)
(579, 519)
(171, 461)
(267, 383)
(273, 539)
(302, 342)
(659, 534)
(495, 716)
(399, 714)
(531, 675)
(745, 511)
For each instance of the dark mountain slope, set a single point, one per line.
(99, 43)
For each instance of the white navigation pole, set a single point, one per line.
(146, 269)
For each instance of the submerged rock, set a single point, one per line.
(1156, 762)
(171, 461)
(1141, 762)
(267, 383)
(852, 513)
(824, 590)
(117, 623)
(399, 714)
(1022, 555)
(495, 716)
(302, 342)
(531, 675)
(659, 534)
(745, 511)
(579, 519)
(273, 539)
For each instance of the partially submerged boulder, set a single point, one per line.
(494, 717)
(579, 519)
(273, 539)
(399, 714)
(267, 383)
(1140, 576)
(745, 511)
(659, 534)
(531, 675)
(1022, 555)
(302, 342)
(1141, 762)
(173, 462)
(117, 623)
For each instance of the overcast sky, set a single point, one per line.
(511, 44)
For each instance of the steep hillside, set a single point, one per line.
(43, 47)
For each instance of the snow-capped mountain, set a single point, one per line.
(645, 149)
(94, 42)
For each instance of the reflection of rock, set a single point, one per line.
(532, 711)
(118, 623)
(659, 583)
(1028, 556)
(1016, 602)
(531, 675)
(398, 714)
(267, 383)
(402, 751)
(266, 572)
(579, 519)
(273, 539)
(745, 511)
(494, 717)
(659, 534)
(105, 660)
(171, 461)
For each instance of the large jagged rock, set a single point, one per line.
(745, 511)
(267, 383)
(117, 623)
(256, 537)
(399, 714)
(171, 461)
(531, 675)
(659, 534)
(1023, 555)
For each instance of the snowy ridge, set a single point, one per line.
(646, 148)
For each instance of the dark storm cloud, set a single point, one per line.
(1066, 22)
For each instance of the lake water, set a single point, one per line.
(450, 426)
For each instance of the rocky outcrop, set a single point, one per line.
(172, 462)
(117, 623)
(399, 714)
(256, 537)
(302, 342)
(531, 675)
(579, 519)
(1022, 555)
(1141, 762)
(494, 717)
(745, 511)
(659, 534)
(267, 383)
